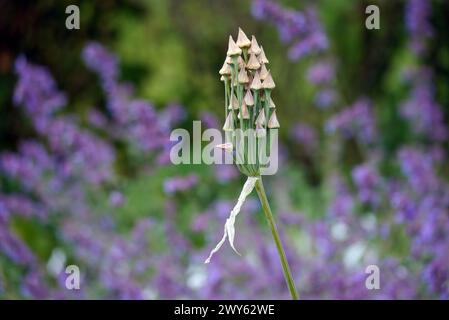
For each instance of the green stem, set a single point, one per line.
(285, 267)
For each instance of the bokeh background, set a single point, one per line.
(85, 119)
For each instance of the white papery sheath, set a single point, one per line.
(229, 229)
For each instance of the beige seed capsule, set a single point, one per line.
(254, 46)
(227, 147)
(249, 100)
(242, 40)
(263, 72)
(256, 84)
(260, 131)
(240, 62)
(261, 118)
(253, 63)
(243, 76)
(233, 49)
(229, 123)
(268, 83)
(262, 58)
(271, 104)
(234, 103)
(273, 122)
(225, 69)
(245, 112)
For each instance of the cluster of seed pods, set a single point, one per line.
(248, 86)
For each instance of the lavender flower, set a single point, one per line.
(368, 183)
(356, 121)
(305, 135)
(417, 14)
(178, 184)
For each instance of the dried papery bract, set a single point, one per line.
(250, 116)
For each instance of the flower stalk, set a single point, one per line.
(250, 122)
(274, 231)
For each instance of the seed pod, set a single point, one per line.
(242, 40)
(253, 63)
(261, 118)
(229, 123)
(260, 131)
(243, 76)
(271, 104)
(256, 84)
(263, 72)
(268, 83)
(233, 49)
(273, 122)
(225, 146)
(241, 62)
(254, 46)
(245, 112)
(234, 103)
(262, 58)
(249, 100)
(225, 69)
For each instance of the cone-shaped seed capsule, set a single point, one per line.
(254, 46)
(229, 123)
(271, 104)
(244, 112)
(249, 100)
(233, 49)
(225, 69)
(256, 84)
(263, 72)
(241, 62)
(243, 76)
(260, 131)
(253, 63)
(261, 118)
(225, 146)
(242, 40)
(223, 78)
(262, 58)
(234, 103)
(268, 83)
(273, 122)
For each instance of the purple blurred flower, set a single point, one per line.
(303, 29)
(417, 22)
(368, 183)
(225, 173)
(36, 90)
(356, 121)
(116, 199)
(421, 109)
(305, 135)
(321, 73)
(178, 184)
(209, 120)
(100, 60)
